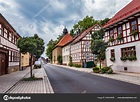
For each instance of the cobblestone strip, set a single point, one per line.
(38, 86)
(48, 87)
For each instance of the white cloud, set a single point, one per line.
(46, 28)
(101, 9)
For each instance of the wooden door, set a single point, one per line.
(2, 64)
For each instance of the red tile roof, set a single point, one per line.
(83, 34)
(66, 39)
(130, 9)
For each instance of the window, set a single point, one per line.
(134, 25)
(112, 53)
(10, 38)
(87, 45)
(112, 34)
(5, 32)
(129, 51)
(120, 30)
(87, 56)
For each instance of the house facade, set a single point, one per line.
(9, 53)
(123, 33)
(66, 54)
(56, 52)
(24, 60)
(80, 47)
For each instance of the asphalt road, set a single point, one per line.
(65, 80)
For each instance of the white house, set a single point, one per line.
(123, 31)
(66, 54)
(80, 46)
(9, 53)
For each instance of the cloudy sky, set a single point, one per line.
(47, 18)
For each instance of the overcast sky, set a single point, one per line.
(47, 18)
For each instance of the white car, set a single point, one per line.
(37, 62)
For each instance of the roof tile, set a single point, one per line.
(66, 39)
(130, 9)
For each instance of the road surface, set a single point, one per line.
(65, 80)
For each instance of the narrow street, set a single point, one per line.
(65, 80)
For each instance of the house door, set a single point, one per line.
(2, 64)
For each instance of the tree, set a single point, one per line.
(98, 46)
(59, 59)
(34, 45)
(70, 61)
(84, 24)
(104, 21)
(50, 46)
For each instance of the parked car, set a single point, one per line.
(37, 64)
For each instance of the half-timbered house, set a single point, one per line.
(9, 53)
(123, 32)
(80, 47)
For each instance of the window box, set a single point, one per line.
(119, 37)
(131, 58)
(111, 40)
(112, 59)
(124, 58)
(133, 33)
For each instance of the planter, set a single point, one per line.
(124, 58)
(132, 58)
(112, 59)
(133, 33)
(111, 40)
(119, 37)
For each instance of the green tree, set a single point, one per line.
(104, 21)
(98, 46)
(50, 46)
(59, 59)
(40, 46)
(84, 24)
(34, 45)
(70, 61)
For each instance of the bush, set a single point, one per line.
(96, 70)
(107, 69)
(77, 65)
(110, 71)
(70, 64)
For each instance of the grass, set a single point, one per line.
(31, 79)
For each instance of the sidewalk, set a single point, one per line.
(11, 83)
(122, 76)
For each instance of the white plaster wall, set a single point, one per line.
(66, 54)
(9, 44)
(132, 66)
(76, 50)
(13, 63)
